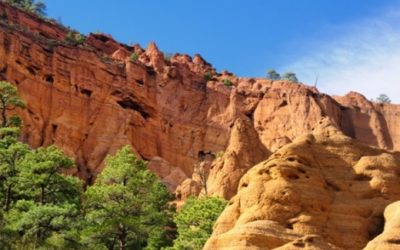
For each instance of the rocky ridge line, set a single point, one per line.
(90, 99)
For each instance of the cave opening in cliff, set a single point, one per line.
(140, 82)
(31, 70)
(283, 104)
(250, 115)
(128, 103)
(86, 92)
(49, 79)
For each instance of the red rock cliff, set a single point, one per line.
(90, 99)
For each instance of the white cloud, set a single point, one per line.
(362, 57)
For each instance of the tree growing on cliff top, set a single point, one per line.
(9, 100)
(290, 76)
(74, 38)
(127, 207)
(134, 57)
(273, 75)
(37, 7)
(383, 98)
(195, 222)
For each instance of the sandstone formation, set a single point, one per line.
(90, 99)
(221, 176)
(372, 123)
(390, 238)
(169, 174)
(244, 151)
(324, 190)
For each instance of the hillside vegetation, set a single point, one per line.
(43, 208)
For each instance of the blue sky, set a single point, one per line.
(350, 44)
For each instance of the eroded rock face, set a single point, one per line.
(169, 174)
(89, 104)
(390, 237)
(221, 176)
(322, 191)
(372, 123)
(90, 99)
(244, 151)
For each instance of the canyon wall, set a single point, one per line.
(293, 161)
(90, 99)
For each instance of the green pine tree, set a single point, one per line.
(37, 7)
(48, 206)
(273, 75)
(290, 76)
(195, 222)
(12, 152)
(127, 207)
(9, 100)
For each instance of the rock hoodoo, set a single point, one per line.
(244, 151)
(322, 191)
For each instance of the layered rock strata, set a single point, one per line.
(90, 98)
